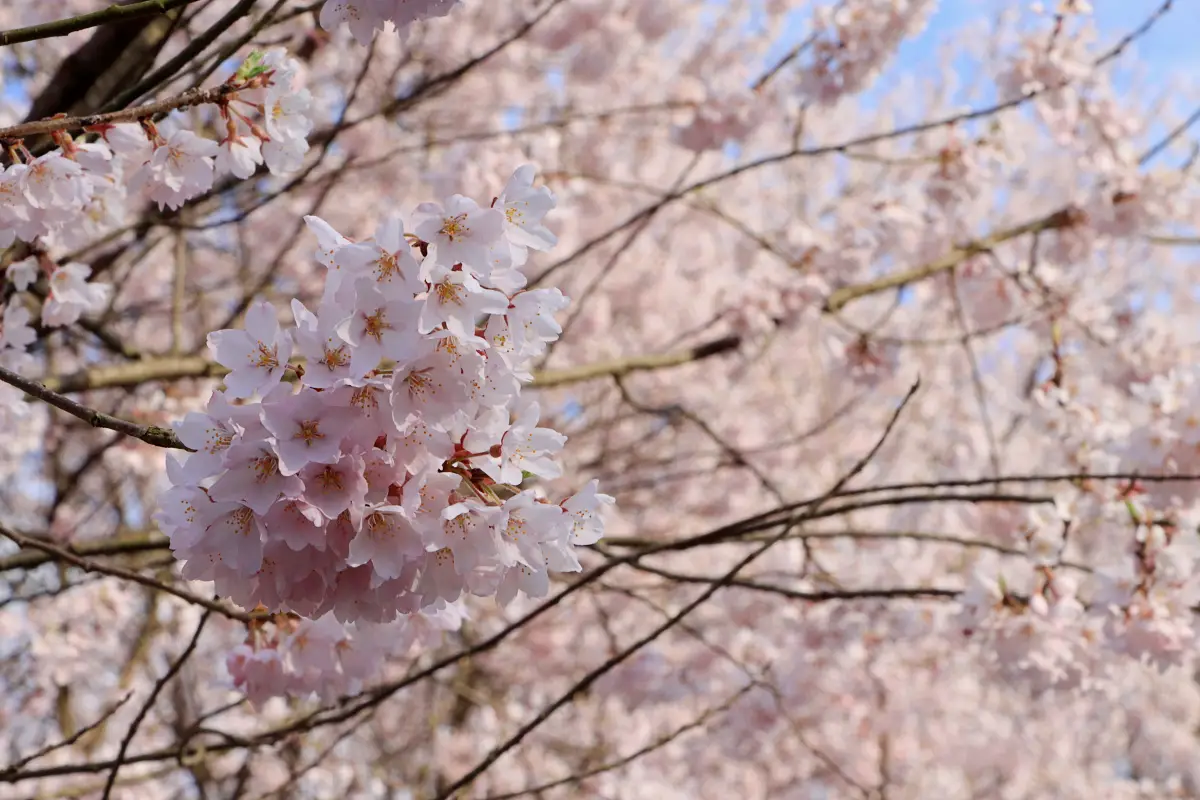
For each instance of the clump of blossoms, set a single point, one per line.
(384, 481)
(1138, 606)
(364, 17)
(852, 41)
(76, 192)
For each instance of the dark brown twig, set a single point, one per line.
(150, 434)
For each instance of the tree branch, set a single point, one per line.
(59, 554)
(716, 585)
(70, 740)
(192, 97)
(113, 13)
(176, 665)
(150, 434)
(28, 559)
(847, 294)
(176, 368)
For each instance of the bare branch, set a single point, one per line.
(66, 557)
(114, 13)
(150, 434)
(28, 559)
(171, 672)
(847, 294)
(70, 740)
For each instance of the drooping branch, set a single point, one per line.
(59, 554)
(150, 434)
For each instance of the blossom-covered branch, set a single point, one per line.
(423, 586)
(191, 97)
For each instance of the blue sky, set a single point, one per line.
(1169, 48)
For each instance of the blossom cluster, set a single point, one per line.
(364, 17)
(82, 188)
(852, 41)
(386, 478)
(302, 657)
(1054, 631)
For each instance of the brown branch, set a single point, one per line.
(621, 367)
(176, 665)
(92, 325)
(434, 85)
(28, 559)
(638, 542)
(847, 294)
(844, 147)
(70, 740)
(179, 298)
(659, 743)
(144, 371)
(192, 97)
(816, 596)
(150, 434)
(176, 368)
(716, 585)
(113, 13)
(196, 46)
(59, 554)
(113, 56)
(351, 707)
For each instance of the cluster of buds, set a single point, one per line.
(83, 187)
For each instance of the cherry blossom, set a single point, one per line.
(739, 233)
(71, 295)
(258, 356)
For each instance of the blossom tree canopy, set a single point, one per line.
(439, 399)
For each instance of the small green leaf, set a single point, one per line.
(252, 67)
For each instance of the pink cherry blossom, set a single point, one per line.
(256, 356)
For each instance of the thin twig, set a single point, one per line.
(66, 557)
(70, 740)
(657, 744)
(181, 59)
(594, 675)
(176, 665)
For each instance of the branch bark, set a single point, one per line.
(192, 97)
(150, 434)
(28, 559)
(113, 13)
(57, 553)
(176, 368)
(847, 294)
